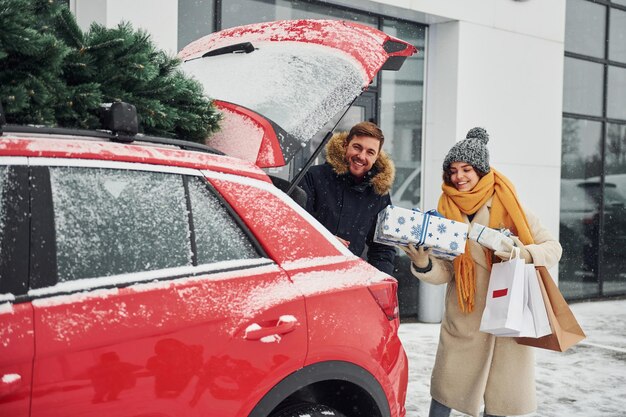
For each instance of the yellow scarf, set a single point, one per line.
(506, 211)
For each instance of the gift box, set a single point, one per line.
(397, 226)
(490, 238)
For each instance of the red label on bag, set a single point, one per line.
(500, 293)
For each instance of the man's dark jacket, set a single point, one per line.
(347, 209)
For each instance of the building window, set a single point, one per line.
(195, 19)
(401, 104)
(593, 167)
(243, 12)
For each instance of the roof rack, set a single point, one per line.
(117, 131)
(104, 134)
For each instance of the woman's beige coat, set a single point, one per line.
(474, 368)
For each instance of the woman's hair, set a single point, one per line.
(447, 174)
(366, 129)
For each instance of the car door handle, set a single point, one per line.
(284, 325)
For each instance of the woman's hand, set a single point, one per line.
(419, 256)
(506, 255)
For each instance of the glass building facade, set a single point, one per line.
(593, 164)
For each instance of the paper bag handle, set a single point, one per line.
(515, 250)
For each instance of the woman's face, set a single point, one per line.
(463, 176)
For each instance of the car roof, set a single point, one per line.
(48, 142)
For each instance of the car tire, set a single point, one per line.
(308, 409)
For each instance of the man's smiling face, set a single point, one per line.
(361, 154)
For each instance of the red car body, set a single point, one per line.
(144, 279)
(229, 339)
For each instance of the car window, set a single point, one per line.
(612, 197)
(584, 196)
(111, 221)
(576, 198)
(218, 237)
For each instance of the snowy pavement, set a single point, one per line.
(587, 380)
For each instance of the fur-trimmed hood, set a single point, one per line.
(385, 170)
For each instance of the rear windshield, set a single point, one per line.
(299, 86)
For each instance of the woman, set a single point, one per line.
(471, 367)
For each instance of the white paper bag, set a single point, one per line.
(536, 304)
(535, 318)
(528, 325)
(535, 321)
(504, 306)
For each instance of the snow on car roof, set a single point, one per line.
(83, 148)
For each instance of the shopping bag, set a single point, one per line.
(566, 331)
(535, 321)
(535, 304)
(528, 323)
(504, 306)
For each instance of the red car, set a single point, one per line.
(146, 277)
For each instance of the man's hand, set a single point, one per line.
(506, 255)
(343, 241)
(419, 256)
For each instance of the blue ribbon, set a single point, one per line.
(480, 234)
(425, 220)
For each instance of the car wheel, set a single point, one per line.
(308, 409)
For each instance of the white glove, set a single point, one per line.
(506, 255)
(419, 256)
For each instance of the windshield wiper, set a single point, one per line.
(244, 47)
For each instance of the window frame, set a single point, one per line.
(229, 209)
(15, 238)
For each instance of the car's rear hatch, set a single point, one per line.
(279, 83)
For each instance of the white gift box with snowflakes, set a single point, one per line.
(496, 240)
(398, 226)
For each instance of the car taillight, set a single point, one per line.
(386, 295)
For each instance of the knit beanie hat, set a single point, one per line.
(472, 149)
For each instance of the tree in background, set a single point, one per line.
(53, 73)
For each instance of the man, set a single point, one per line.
(347, 192)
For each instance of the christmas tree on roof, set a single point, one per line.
(53, 73)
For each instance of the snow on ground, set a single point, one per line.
(587, 380)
